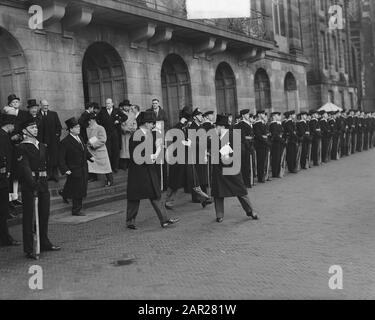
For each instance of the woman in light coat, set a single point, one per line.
(97, 138)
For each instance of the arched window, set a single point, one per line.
(226, 92)
(262, 91)
(103, 74)
(291, 92)
(176, 86)
(13, 70)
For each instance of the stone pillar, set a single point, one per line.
(295, 43)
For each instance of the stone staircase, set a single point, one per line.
(97, 194)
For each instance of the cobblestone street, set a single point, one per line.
(308, 222)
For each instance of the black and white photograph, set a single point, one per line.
(213, 151)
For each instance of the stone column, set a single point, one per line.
(295, 43)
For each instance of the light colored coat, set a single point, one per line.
(101, 164)
(127, 129)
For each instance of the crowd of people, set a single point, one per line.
(101, 142)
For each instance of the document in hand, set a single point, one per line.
(226, 150)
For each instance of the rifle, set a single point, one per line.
(36, 232)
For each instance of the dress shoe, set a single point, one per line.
(32, 256)
(51, 248)
(170, 222)
(79, 214)
(219, 220)
(252, 215)
(132, 227)
(17, 202)
(61, 194)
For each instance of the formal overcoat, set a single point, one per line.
(101, 164)
(50, 132)
(73, 157)
(143, 179)
(226, 186)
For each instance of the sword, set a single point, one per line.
(268, 162)
(36, 232)
(299, 151)
(251, 170)
(282, 163)
(308, 162)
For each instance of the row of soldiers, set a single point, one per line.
(300, 141)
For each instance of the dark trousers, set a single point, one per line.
(315, 152)
(27, 217)
(276, 153)
(261, 162)
(244, 200)
(133, 208)
(5, 238)
(113, 148)
(77, 205)
(325, 149)
(291, 156)
(245, 167)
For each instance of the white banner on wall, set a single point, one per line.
(216, 9)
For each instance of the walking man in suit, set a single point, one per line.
(73, 157)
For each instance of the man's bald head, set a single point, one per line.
(44, 105)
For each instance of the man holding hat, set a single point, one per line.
(73, 157)
(227, 186)
(247, 146)
(32, 171)
(6, 127)
(143, 178)
(262, 145)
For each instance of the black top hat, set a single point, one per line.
(244, 111)
(7, 119)
(71, 123)
(32, 103)
(186, 113)
(12, 97)
(196, 112)
(222, 120)
(31, 121)
(147, 116)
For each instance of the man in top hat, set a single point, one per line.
(262, 145)
(303, 133)
(247, 146)
(278, 144)
(226, 186)
(50, 133)
(292, 141)
(32, 171)
(200, 170)
(110, 118)
(143, 178)
(6, 127)
(316, 135)
(73, 157)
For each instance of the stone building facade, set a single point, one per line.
(333, 73)
(91, 50)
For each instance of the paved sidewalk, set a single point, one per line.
(309, 222)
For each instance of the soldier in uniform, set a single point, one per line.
(208, 120)
(343, 132)
(351, 131)
(6, 127)
(143, 179)
(292, 141)
(73, 157)
(303, 132)
(278, 143)
(336, 136)
(32, 172)
(262, 144)
(247, 144)
(326, 135)
(225, 186)
(316, 136)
